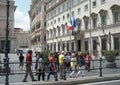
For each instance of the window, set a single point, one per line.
(72, 13)
(78, 10)
(103, 20)
(59, 9)
(63, 17)
(94, 44)
(104, 45)
(68, 15)
(86, 7)
(58, 19)
(116, 43)
(55, 21)
(86, 45)
(94, 22)
(51, 23)
(86, 24)
(72, 46)
(94, 4)
(103, 1)
(116, 17)
(63, 7)
(67, 46)
(63, 29)
(79, 25)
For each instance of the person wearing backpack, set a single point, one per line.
(52, 68)
(81, 64)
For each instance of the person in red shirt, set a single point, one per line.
(88, 60)
(28, 66)
(52, 67)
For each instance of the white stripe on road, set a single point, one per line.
(101, 82)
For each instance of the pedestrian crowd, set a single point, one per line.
(73, 62)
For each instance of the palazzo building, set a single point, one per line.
(37, 25)
(98, 25)
(3, 18)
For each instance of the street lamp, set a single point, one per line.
(7, 44)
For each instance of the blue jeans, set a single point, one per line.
(53, 73)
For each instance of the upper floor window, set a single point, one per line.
(116, 16)
(86, 24)
(68, 15)
(72, 13)
(58, 19)
(63, 7)
(94, 3)
(103, 20)
(86, 7)
(78, 11)
(63, 17)
(51, 23)
(55, 21)
(94, 21)
(103, 1)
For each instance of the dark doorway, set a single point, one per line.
(79, 45)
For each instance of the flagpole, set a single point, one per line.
(90, 49)
(72, 29)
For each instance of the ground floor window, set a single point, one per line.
(94, 45)
(86, 45)
(104, 44)
(116, 43)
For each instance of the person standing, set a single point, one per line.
(28, 66)
(88, 60)
(21, 60)
(61, 65)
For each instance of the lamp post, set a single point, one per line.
(7, 44)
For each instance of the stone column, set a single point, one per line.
(99, 47)
(112, 43)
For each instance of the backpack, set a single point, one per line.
(52, 67)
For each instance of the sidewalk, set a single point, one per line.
(73, 81)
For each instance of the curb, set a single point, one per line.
(74, 81)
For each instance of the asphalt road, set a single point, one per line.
(115, 82)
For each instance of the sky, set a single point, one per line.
(21, 14)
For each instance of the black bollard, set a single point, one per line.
(100, 67)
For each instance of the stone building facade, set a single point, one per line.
(98, 25)
(37, 25)
(22, 39)
(12, 39)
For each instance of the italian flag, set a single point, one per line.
(68, 25)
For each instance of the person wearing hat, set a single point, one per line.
(81, 64)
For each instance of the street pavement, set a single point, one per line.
(114, 82)
(15, 78)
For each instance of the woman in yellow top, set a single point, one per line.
(73, 65)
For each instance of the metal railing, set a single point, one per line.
(97, 67)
